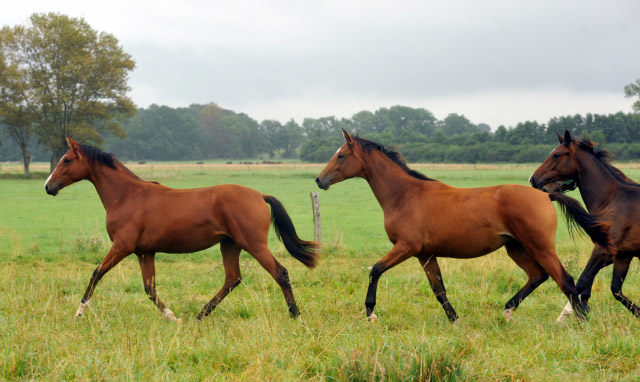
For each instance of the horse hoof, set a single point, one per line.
(507, 314)
(372, 317)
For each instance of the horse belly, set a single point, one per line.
(469, 245)
(181, 239)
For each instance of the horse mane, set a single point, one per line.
(97, 156)
(605, 157)
(394, 155)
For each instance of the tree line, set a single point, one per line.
(201, 132)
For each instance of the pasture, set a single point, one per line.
(49, 246)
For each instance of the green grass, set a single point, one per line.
(49, 247)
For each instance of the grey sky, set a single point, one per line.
(497, 62)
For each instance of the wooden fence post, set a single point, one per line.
(315, 202)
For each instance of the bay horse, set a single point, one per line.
(427, 219)
(607, 192)
(147, 217)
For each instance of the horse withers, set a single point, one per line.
(427, 219)
(146, 217)
(606, 192)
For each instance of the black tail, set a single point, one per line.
(576, 215)
(304, 251)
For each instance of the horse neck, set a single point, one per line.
(112, 185)
(387, 180)
(595, 181)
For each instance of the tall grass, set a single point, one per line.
(49, 247)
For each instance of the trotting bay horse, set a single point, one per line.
(427, 219)
(146, 217)
(606, 192)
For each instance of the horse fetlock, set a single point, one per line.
(81, 309)
(372, 317)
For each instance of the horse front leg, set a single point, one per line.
(399, 253)
(148, 269)
(114, 256)
(432, 270)
(597, 261)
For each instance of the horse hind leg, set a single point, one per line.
(231, 260)
(148, 268)
(597, 261)
(620, 269)
(549, 260)
(535, 273)
(279, 274)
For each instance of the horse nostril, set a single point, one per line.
(317, 180)
(532, 180)
(46, 188)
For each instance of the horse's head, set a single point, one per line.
(559, 170)
(346, 163)
(71, 168)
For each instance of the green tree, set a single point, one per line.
(457, 124)
(633, 90)
(76, 79)
(16, 115)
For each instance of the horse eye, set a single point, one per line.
(340, 156)
(67, 160)
(556, 156)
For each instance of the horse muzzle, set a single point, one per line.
(51, 190)
(322, 184)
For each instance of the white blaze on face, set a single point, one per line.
(48, 179)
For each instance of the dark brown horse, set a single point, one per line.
(427, 219)
(606, 192)
(146, 217)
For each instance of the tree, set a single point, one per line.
(631, 90)
(457, 124)
(16, 115)
(75, 79)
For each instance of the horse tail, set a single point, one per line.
(597, 229)
(305, 251)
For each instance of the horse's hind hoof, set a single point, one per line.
(372, 317)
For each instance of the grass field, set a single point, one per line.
(50, 246)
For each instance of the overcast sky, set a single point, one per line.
(496, 62)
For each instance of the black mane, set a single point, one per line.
(395, 156)
(605, 157)
(94, 154)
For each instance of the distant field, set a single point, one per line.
(50, 245)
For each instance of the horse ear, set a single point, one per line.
(73, 145)
(347, 137)
(567, 138)
(559, 137)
